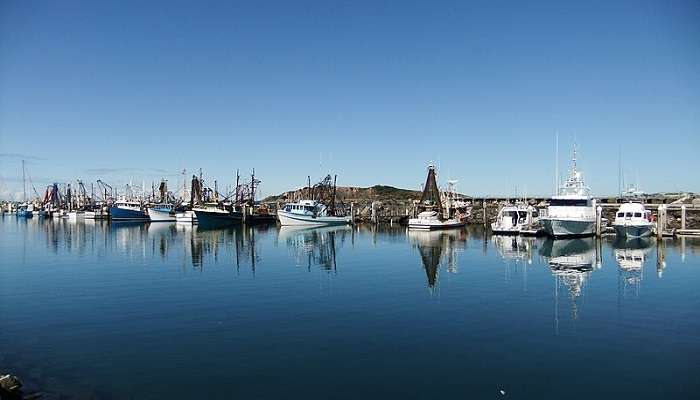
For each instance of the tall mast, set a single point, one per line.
(252, 186)
(24, 183)
(238, 187)
(556, 163)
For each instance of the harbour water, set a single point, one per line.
(92, 309)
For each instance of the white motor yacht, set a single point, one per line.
(515, 218)
(572, 211)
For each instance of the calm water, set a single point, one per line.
(163, 310)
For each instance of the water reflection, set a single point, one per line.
(631, 256)
(315, 246)
(571, 262)
(516, 248)
(436, 247)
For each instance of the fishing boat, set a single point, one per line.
(127, 210)
(219, 216)
(319, 209)
(432, 213)
(513, 219)
(632, 220)
(572, 211)
(162, 213)
(309, 213)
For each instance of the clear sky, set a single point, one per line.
(372, 91)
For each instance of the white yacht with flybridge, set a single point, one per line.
(572, 211)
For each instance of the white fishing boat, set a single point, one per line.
(162, 213)
(433, 213)
(309, 213)
(572, 211)
(515, 218)
(632, 220)
(186, 217)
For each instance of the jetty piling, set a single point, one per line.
(683, 208)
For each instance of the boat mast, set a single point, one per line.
(24, 184)
(556, 164)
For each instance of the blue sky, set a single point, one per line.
(372, 91)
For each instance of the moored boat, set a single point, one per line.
(513, 219)
(162, 213)
(572, 211)
(217, 216)
(309, 213)
(127, 210)
(433, 214)
(633, 220)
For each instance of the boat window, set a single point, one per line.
(569, 202)
(620, 214)
(639, 215)
(628, 215)
(308, 208)
(288, 208)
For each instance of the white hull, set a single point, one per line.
(187, 217)
(291, 219)
(76, 215)
(160, 215)
(633, 231)
(419, 223)
(560, 227)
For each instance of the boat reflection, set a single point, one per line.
(517, 248)
(571, 262)
(631, 255)
(314, 246)
(438, 247)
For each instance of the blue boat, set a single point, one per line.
(128, 210)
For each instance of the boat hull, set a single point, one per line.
(186, 217)
(633, 231)
(76, 215)
(416, 223)
(290, 219)
(161, 215)
(568, 227)
(217, 218)
(260, 219)
(123, 214)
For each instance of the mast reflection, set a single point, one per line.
(437, 247)
(314, 246)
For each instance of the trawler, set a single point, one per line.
(432, 213)
(572, 211)
(309, 213)
(317, 210)
(125, 209)
(164, 211)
